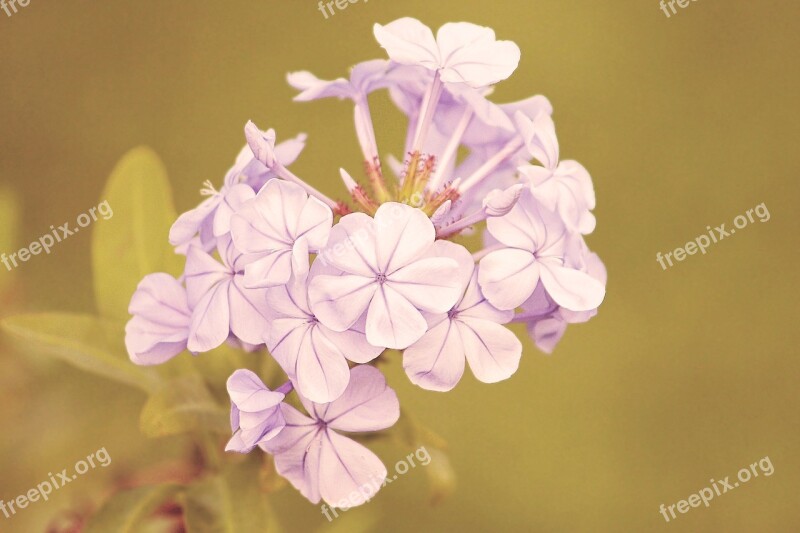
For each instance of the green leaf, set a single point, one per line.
(134, 242)
(232, 502)
(87, 342)
(183, 405)
(126, 511)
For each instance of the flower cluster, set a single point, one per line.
(327, 286)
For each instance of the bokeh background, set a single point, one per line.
(686, 374)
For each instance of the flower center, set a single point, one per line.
(381, 278)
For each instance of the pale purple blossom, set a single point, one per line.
(462, 52)
(277, 230)
(207, 219)
(313, 355)
(536, 247)
(566, 189)
(221, 303)
(388, 274)
(325, 465)
(256, 415)
(471, 331)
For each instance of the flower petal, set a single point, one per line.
(322, 372)
(349, 473)
(508, 277)
(233, 200)
(272, 270)
(368, 403)
(250, 315)
(201, 274)
(475, 305)
(392, 321)
(436, 361)
(432, 284)
(188, 224)
(492, 350)
(210, 320)
(403, 234)
(339, 301)
(409, 42)
(351, 246)
(570, 288)
(249, 393)
(472, 55)
(353, 342)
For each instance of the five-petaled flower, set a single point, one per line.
(256, 415)
(321, 463)
(390, 275)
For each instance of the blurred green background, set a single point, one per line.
(686, 374)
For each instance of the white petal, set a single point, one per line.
(322, 372)
(508, 277)
(349, 474)
(392, 320)
(403, 234)
(436, 361)
(472, 55)
(249, 393)
(368, 404)
(201, 274)
(353, 342)
(462, 256)
(233, 200)
(570, 288)
(409, 42)
(250, 315)
(210, 320)
(432, 284)
(492, 350)
(254, 233)
(188, 224)
(339, 301)
(475, 305)
(351, 245)
(272, 270)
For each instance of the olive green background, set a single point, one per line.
(686, 374)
